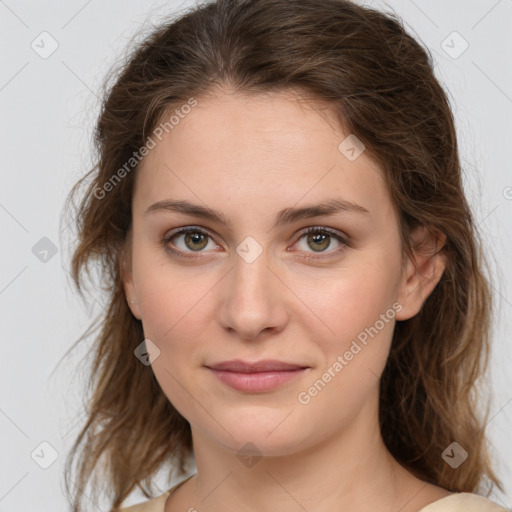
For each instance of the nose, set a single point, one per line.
(253, 299)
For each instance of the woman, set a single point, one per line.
(297, 297)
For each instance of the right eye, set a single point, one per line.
(193, 240)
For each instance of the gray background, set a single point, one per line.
(48, 108)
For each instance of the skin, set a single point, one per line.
(249, 156)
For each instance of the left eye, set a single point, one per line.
(195, 240)
(319, 239)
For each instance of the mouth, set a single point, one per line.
(256, 377)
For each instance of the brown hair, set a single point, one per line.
(379, 82)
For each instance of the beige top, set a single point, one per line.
(457, 502)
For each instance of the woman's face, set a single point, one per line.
(249, 284)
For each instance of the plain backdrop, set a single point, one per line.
(54, 56)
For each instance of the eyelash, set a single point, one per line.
(313, 229)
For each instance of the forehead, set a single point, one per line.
(250, 125)
(258, 151)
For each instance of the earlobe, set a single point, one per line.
(422, 272)
(130, 296)
(127, 281)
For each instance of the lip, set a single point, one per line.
(266, 365)
(256, 377)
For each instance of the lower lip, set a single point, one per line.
(257, 382)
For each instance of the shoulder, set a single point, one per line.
(154, 505)
(464, 502)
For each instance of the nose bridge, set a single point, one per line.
(250, 276)
(252, 298)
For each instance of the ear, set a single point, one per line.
(422, 272)
(127, 277)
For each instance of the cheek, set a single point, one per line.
(361, 313)
(357, 300)
(360, 309)
(170, 295)
(172, 307)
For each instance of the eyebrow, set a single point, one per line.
(285, 216)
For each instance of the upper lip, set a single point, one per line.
(267, 365)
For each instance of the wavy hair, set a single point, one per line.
(379, 82)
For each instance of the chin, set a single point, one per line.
(256, 438)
